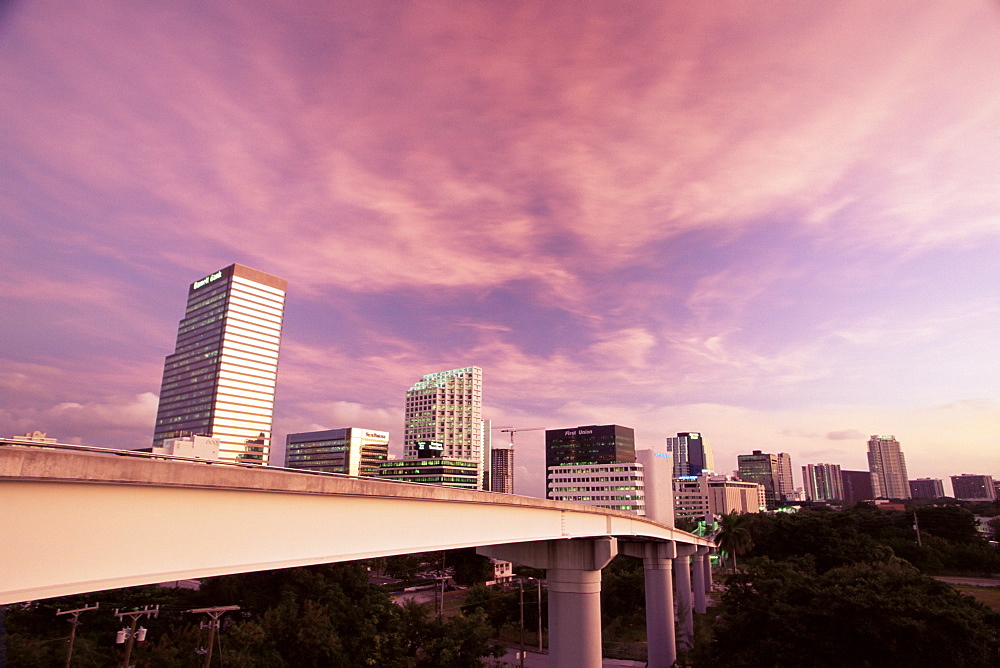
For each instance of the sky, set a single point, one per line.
(774, 223)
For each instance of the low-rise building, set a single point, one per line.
(194, 447)
(706, 496)
(461, 473)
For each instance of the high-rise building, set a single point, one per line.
(969, 487)
(771, 471)
(926, 488)
(885, 460)
(598, 465)
(502, 470)
(219, 381)
(786, 482)
(351, 451)
(691, 453)
(823, 482)
(447, 407)
(592, 444)
(859, 486)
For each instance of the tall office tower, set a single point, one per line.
(592, 453)
(823, 482)
(691, 453)
(786, 483)
(969, 487)
(859, 486)
(502, 470)
(885, 460)
(351, 451)
(926, 488)
(220, 379)
(762, 468)
(447, 407)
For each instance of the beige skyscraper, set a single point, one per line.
(886, 462)
(220, 379)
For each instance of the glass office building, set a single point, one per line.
(691, 453)
(351, 451)
(593, 444)
(221, 377)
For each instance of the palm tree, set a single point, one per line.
(733, 537)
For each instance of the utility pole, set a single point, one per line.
(522, 622)
(212, 625)
(916, 526)
(538, 583)
(132, 634)
(75, 621)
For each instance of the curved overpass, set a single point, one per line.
(83, 520)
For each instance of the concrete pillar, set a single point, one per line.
(573, 572)
(698, 579)
(708, 570)
(657, 564)
(685, 602)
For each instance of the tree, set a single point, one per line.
(861, 615)
(734, 538)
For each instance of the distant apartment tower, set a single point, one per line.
(691, 452)
(823, 482)
(447, 407)
(926, 488)
(885, 460)
(786, 482)
(771, 471)
(502, 470)
(969, 487)
(219, 381)
(351, 451)
(859, 486)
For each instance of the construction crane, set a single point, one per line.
(514, 430)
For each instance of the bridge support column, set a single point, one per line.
(708, 570)
(657, 564)
(573, 572)
(685, 604)
(698, 580)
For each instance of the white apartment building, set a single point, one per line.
(447, 407)
(641, 487)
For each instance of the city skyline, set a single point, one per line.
(764, 224)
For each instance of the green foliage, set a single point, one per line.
(863, 534)
(734, 537)
(622, 589)
(502, 606)
(775, 614)
(954, 524)
(469, 567)
(319, 616)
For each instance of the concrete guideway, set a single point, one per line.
(78, 520)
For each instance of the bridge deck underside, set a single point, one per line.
(82, 522)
